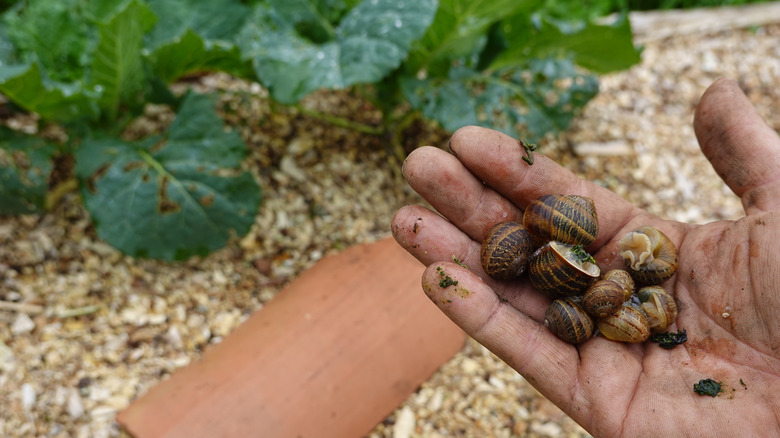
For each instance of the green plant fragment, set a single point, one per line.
(707, 387)
(25, 167)
(171, 197)
(368, 43)
(669, 340)
(581, 255)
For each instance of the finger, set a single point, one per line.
(497, 159)
(453, 191)
(432, 239)
(742, 148)
(520, 340)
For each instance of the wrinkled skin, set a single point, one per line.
(727, 286)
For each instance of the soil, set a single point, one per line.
(84, 329)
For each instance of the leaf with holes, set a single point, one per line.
(543, 97)
(25, 166)
(173, 196)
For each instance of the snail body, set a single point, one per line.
(659, 306)
(628, 324)
(559, 270)
(569, 321)
(650, 256)
(568, 219)
(506, 250)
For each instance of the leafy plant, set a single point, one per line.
(92, 66)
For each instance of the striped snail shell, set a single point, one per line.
(506, 250)
(559, 270)
(569, 219)
(569, 321)
(650, 255)
(623, 278)
(659, 306)
(628, 324)
(603, 298)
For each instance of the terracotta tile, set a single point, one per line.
(330, 356)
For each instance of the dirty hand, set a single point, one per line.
(727, 286)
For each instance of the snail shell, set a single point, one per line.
(628, 324)
(650, 255)
(558, 270)
(506, 250)
(569, 321)
(569, 219)
(659, 306)
(603, 298)
(623, 278)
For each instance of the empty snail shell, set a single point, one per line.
(569, 321)
(505, 251)
(569, 219)
(659, 306)
(559, 270)
(650, 255)
(603, 298)
(628, 324)
(623, 278)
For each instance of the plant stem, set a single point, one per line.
(340, 121)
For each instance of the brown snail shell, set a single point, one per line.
(659, 306)
(650, 255)
(603, 298)
(569, 321)
(569, 219)
(506, 250)
(623, 278)
(558, 270)
(628, 324)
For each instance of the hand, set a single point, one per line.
(727, 286)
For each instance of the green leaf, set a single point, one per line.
(54, 33)
(190, 53)
(215, 20)
(25, 167)
(599, 48)
(534, 101)
(174, 198)
(195, 36)
(371, 41)
(25, 86)
(117, 67)
(458, 28)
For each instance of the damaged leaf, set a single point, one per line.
(170, 197)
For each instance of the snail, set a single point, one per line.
(505, 251)
(659, 306)
(650, 255)
(568, 219)
(559, 270)
(603, 298)
(628, 324)
(569, 321)
(623, 278)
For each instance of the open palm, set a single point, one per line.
(727, 286)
